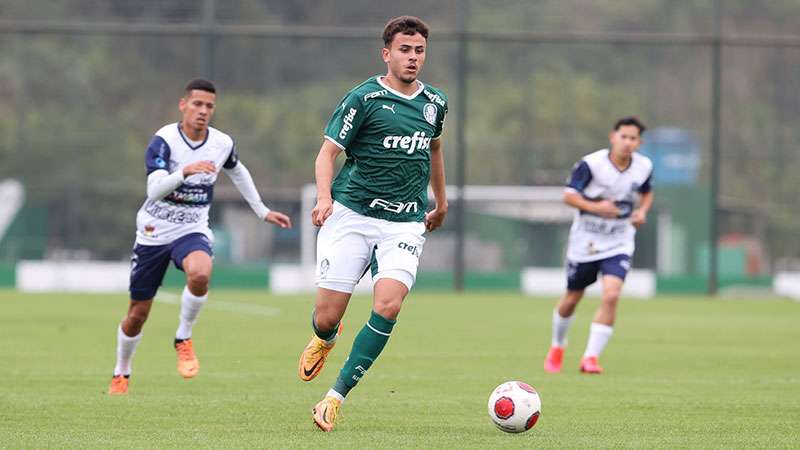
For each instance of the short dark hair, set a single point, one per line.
(200, 84)
(630, 120)
(409, 25)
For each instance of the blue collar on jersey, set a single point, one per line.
(208, 132)
(630, 163)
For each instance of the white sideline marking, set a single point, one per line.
(244, 308)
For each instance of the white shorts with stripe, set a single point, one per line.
(350, 243)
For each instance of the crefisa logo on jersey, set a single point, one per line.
(347, 123)
(435, 98)
(417, 141)
(429, 111)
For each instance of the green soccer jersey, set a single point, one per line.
(386, 136)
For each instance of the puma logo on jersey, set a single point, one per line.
(347, 123)
(417, 141)
(390, 108)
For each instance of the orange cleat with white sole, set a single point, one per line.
(314, 355)
(188, 365)
(326, 412)
(554, 359)
(119, 385)
(589, 364)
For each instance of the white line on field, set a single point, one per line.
(244, 308)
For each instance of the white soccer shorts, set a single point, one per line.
(349, 244)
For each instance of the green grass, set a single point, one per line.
(679, 373)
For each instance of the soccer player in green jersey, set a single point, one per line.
(373, 214)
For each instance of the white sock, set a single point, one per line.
(334, 394)
(190, 308)
(560, 328)
(598, 338)
(126, 347)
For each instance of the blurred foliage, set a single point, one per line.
(78, 110)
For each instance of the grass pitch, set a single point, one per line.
(680, 373)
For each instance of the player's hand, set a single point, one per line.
(321, 211)
(279, 219)
(434, 219)
(638, 218)
(606, 208)
(199, 167)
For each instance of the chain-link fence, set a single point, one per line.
(533, 86)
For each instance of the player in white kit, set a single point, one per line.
(182, 163)
(612, 193)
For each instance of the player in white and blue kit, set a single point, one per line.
(182, 160)
(611, 190)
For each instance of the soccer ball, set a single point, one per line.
(514, 407)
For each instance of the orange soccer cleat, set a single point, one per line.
(554, 358)
(589, 364)
(325, 413)
(119, 385)
(188, 365)
(313, 357)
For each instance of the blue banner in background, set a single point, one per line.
(675, 153)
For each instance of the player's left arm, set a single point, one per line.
(243, 181)
(639, 215)
(435, 218)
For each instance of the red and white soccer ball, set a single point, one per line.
(515, 406)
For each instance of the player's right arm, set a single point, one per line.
(603, 208)
(340, 132)
(159, 181)
(324, 166)
(580, 177)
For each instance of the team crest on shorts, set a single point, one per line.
(429, 111)
(324, 265)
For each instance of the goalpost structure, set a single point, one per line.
(12, 199)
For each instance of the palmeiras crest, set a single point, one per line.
(429, 111)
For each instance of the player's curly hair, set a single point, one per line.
(409, 25)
